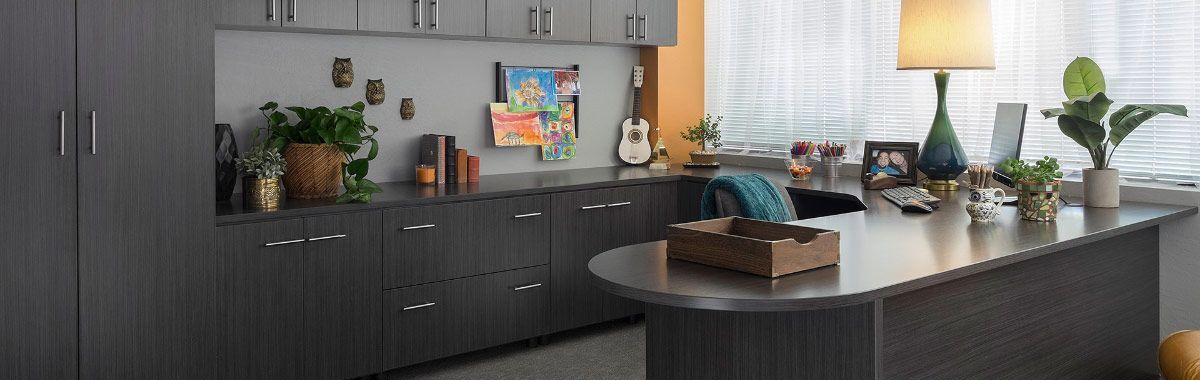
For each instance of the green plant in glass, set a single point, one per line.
(1082, 117)
(344, 127)
(1045, 170)
(706, 133)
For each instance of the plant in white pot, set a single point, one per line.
(1082, 120)
(707, 133)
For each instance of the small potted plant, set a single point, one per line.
(1038, 187)
(323, 148)
(1082, 119)
(261, 168)
(707, 134)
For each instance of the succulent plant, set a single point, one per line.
(261, 162)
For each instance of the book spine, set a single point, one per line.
(441, 160)
(428, 153)
(472, 168)
(460, 162)
(451, 161)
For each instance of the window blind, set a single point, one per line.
(785, 70)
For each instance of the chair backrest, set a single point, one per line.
(727, 204)
(1179, 356)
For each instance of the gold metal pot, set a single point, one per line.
(261, 193)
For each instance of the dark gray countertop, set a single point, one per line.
(883, 252)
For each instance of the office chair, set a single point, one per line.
(1179, 355)
(727, 203)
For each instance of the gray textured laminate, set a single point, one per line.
(883, 252)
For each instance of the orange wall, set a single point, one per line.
(673, 92)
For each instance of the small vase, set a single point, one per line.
(985, 204)
(1038, 201)
(1101, 188)
(261, 193)
(227, 173)
(314, 170)
(407, 109)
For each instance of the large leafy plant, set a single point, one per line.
(707, 133)
(1082, 116)
(1045, 170)
(344, 127)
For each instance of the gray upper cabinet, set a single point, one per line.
(321, 14)
(561, 20)
(657, 22)
(613, 21)
(406, 16)
(456, 17)
(250, 12)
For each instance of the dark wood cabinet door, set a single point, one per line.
(342, 307)
(657, 22)
(421, 323)
(147, 291)
(519, 307)
(261, 272)
(688, 200)
(584, 230)
(614, 21)
(320, 14)
(37, 232)
(566, 20)
(515, 19)
(250, 12)
(405, 16)
(456, 17)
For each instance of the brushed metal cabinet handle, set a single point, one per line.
(414, 307)
(550, 21)
(531, 286)
(62, 133)
(529, 215)
(295, 12)
(271, 9)
(535, 22)
(285, 242)
(92, 116)
(328, 237)
(645, 21)
(629, 26)
(424, 226)
(592, 207)
(619, 204)
(418, 17)
(437, 14)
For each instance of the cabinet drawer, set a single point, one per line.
(435, 243)
(440, 319)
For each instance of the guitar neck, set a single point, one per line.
(637, 106)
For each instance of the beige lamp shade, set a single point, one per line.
(945, 34)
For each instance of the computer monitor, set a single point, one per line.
(1006, 137)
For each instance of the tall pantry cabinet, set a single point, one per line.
(106, 269)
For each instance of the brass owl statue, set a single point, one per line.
(343, 72)
(375, 91)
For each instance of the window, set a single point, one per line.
(784, 70)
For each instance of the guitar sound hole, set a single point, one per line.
(635, 136)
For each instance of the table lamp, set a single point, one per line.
(940, 35)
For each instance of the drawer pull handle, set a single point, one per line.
(286, 242)
(519, 288)
(419, 227)
(592, 207)
(619, 204)
(529, 215)
(414, 307)
(327, 237)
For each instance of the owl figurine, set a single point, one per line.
(375, 91)
(343, 72)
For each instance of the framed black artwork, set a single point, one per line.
(897, 159)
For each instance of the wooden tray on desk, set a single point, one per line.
(764, 248)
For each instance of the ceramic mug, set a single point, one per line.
(985, 204)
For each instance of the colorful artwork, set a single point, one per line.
(530, 90)
(515, 128)
(566, 82)
(558, 133)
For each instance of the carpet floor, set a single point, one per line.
(613, 350)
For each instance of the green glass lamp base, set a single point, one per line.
(942, 157)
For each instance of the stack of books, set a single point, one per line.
(453, 165)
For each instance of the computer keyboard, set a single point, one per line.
(904, 195)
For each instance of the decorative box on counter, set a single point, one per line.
(752, 246)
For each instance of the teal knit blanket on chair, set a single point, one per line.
(757, 196)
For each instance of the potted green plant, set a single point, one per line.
(261, 169)
(1082, 119)
(1038, 187)
(708, 134)
(323, 150)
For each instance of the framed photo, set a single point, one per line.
(897, 159)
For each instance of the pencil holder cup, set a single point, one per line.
(832, 166)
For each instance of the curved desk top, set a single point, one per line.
(883, 252)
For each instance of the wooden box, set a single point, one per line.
(752, 246)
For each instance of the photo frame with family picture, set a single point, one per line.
(896, 159)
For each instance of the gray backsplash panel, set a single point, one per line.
(452, 83)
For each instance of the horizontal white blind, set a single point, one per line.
(784, 70)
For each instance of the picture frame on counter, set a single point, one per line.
(896, 159)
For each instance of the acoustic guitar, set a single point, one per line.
(635, 144)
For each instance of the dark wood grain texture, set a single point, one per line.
(614, 21)
(571, 20)
(261, 287)
(251, 12)
(704, 344)
(519, 19)
(689, 195)
(342, 307)
(1089, 312)
(320, 14)
(434, 243)
(148, 305)
(451, 317)
(658, 22)
(456, 17)
(38, 231)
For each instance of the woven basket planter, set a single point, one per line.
(314, 170)
(1038, 201)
